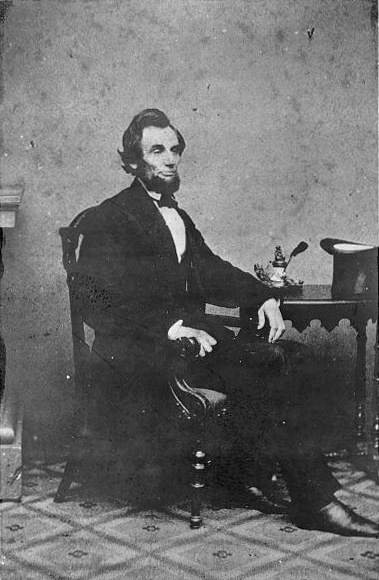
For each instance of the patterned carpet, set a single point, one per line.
(99, 536)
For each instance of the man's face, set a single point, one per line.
(160, 159)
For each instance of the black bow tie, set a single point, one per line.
(167, 201)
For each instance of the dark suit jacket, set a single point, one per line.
(131, 285)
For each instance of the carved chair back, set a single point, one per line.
(71, 237)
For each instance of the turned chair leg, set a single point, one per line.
(197, 485)
(82, 450)
(70, 474)
(375, 444)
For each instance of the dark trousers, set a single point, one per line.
(274, 400)
(272, 396)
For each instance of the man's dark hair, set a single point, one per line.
(131, 140)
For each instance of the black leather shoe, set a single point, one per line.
(337, 518)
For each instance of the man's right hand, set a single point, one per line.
(205, 340)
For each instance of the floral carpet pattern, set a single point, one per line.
(92, 536)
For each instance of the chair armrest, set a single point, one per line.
(188, 402)
(193, 403)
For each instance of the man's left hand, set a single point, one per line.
(270, 310)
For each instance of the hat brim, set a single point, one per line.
(336, 246)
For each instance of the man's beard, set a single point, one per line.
(159, 185)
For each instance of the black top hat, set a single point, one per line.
(355, 268)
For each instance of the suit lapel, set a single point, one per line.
(137, 206)
(195, 282)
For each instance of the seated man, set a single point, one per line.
(147, 273)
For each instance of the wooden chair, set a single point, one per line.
(195, 408)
